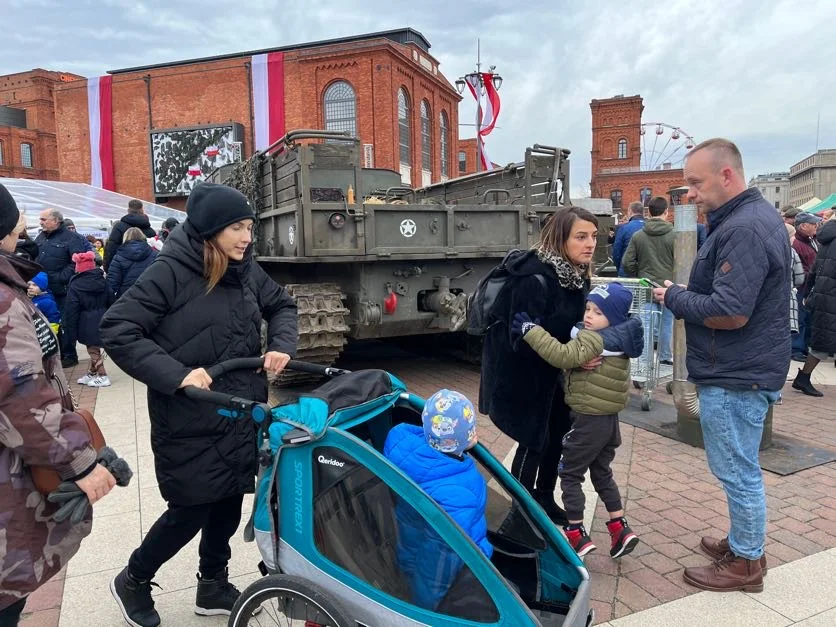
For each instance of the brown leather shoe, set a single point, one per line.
(716, 549)
(730, 573)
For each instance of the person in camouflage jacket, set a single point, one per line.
(37, 427)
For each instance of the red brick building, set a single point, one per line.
(385, 87)
(27, 124)
(617, 165)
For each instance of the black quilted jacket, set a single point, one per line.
(737, 304)
(823, 286)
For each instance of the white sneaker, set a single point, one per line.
(86, 379)
(99, 382)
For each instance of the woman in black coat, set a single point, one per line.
(821, 301)
(200, 303)
(522, 394)
(130, 261)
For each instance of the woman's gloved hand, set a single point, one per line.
(522, 324)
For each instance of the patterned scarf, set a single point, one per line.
(570, 276)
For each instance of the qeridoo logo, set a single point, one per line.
(331, 462)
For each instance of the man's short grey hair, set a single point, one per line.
(636, 208)
(723, 152)
(56, 215)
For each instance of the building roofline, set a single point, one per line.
(419, 40)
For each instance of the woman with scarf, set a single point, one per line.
(522, 394)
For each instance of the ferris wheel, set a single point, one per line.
(668, 147)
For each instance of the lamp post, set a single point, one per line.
(477, 78)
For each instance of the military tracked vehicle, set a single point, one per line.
(366, 256)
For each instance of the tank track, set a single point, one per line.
(322, 327)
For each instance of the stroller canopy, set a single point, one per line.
(345, 401)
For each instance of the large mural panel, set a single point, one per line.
(183, 157)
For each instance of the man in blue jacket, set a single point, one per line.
(625, 232)
(737, 321)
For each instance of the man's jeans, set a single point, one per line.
(663, 335)
(732, 426)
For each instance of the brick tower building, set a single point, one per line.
(617, 165)
(384, 87)
(27, 124)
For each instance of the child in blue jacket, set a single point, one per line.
(45, 301)
(435, 457)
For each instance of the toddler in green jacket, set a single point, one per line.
(595, 397)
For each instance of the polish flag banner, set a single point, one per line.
(268, 98)
(476, 90)
(100, 117)
(492, 104)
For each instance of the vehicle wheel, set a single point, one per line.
(287, 600)
(646, 401)
(638, 385)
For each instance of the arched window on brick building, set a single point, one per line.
(26, 156)
(405, 136)
(622, 148)
(444, 127)
(340, 106)
(646, 194)
(462, 162)
(426, 144)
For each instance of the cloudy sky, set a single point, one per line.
(757, 71)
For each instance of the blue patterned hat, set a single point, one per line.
(449, 422)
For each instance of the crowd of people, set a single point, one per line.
(555, 374)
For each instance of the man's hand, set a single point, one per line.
(592, 364)
(659, 292)
(275, 362)
(97, 484)
(199, 378)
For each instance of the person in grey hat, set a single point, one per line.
(806, 245)
(789, 214)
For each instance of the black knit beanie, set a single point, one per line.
(9, 214)
(212, 207)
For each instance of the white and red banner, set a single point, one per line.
(481, 85)
(268, 98)
(100, 114)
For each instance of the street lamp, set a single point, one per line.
(477, 78)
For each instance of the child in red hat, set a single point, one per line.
(88, 297)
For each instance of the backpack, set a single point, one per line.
(481, 305)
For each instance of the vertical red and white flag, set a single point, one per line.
(100, 117)
(268, 98)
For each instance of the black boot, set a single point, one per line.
(803, 384)
(134, 600)
(552, 509)
(216, 596)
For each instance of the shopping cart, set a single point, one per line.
(645, 369)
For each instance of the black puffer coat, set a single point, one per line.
(518, 389)
(88, 297)
(55, 255)
(164, 326)
(128, 264)
(117, 234)
(822, 282)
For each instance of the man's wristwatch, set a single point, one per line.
(527, 326)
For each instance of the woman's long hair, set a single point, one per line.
(215, 263)
(555, 232)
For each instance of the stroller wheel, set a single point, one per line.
(286, 600)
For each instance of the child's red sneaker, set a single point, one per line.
(579, 539)
(623, 538)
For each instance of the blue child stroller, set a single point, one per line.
(329, 508)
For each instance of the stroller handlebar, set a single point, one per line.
(254, 363)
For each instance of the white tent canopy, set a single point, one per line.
(810, 203)
(93, 210)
